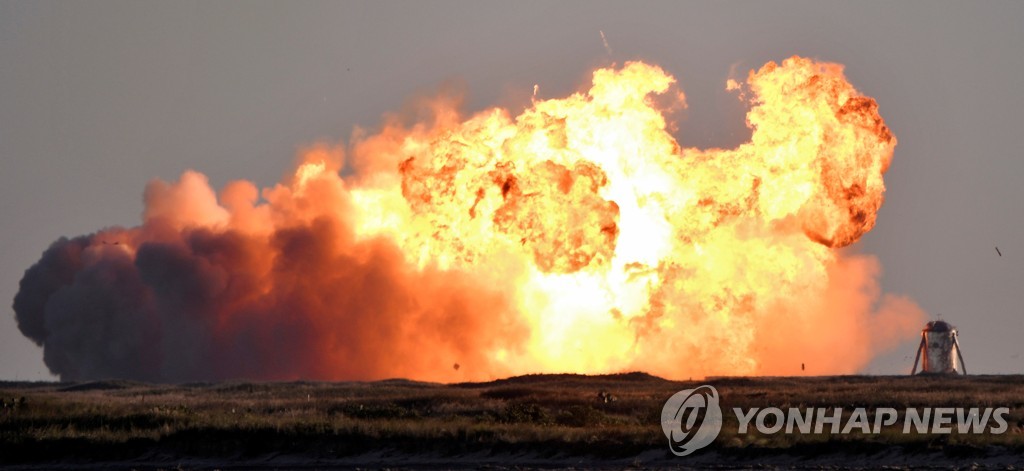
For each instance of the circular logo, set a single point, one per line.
(691, 419)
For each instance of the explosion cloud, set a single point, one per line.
(577, 236)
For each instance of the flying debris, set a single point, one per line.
(998, 252)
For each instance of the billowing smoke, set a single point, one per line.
(578, 236)
(199, 292)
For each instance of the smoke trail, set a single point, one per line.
(604, 41)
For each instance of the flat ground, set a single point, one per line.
(544, 421)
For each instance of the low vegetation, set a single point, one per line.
(545, 416)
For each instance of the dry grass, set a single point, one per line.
(554, 415)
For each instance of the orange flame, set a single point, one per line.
(626, 251)
(578, 236)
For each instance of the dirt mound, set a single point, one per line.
(99, 386)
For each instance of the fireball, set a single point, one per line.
(575, 236)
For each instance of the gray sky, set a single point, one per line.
(96, 98)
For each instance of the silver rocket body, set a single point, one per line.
(939, 350)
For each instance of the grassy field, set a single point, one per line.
(552, 419)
